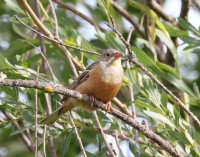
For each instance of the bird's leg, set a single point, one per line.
(108, 107)
(92, 99)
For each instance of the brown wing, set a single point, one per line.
(81, 78)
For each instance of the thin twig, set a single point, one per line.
(23, 136)
(51, 147)
(111, 153)
(133, 59)
(196, 3)
(50, 87)
(36, 112)
(161, 12)
(55, 22)
(44, 140)
(73, 69)
(58, 42)
(14, 68)
(45, 59)
(130, 88)
(41, 26)
(77, 135)
(118, 145)
(58, 38)
(115, 100)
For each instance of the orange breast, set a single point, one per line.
(98, 88)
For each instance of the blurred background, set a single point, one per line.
(166, 42)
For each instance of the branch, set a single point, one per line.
(77, 135)
(111, 153)
(51, 87)
(36, 112)
(115, 100)
(64, 5)
(185, 6)
(161, 12)
(23, 136)
(46, 31)
(196, 3)
(56, 41)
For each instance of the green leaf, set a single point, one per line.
(136, 148)
(13, 5)
(20, 47)
(19, 131)
(90, 154)
(150, 45)
(4, 62)
(9, 91)
(176, 136)
(188, 26)
(174, 31)
(28, 117)
(169, 44)
(168, 68)
(157, 116)
(22, 31)
(151, 13)
(190, 40)
(66, 142)
(143, 104)
(180, 84)
(147, 61)
(164, 99)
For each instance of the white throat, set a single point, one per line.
(113, 73)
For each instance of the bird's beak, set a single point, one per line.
(117, 55)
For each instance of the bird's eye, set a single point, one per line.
(107, 54)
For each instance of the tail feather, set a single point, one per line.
(50, 119)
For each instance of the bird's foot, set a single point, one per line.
(108, 107)
(92, 99)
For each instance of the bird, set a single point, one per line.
(101, 81)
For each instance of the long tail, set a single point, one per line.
(50, 119)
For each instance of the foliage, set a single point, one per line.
(19, 60)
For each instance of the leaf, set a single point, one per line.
(189, 138)
(190, 40)
(157, 116)
(19, 131)
(22, 31)
(188, 26)
(66, 142)
(164, 98)
(151, 13)
(174, 31)
(90, 154)
(169, 43)
(150, 46)
(147, 61)
(13, 5)
(178, 137)
(4, 62)
(168, 68)
(179, 84)
(143, 104)
(20, 47)
(136, 148)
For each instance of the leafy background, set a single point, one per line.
(179, 71)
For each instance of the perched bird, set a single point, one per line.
(101, 80)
